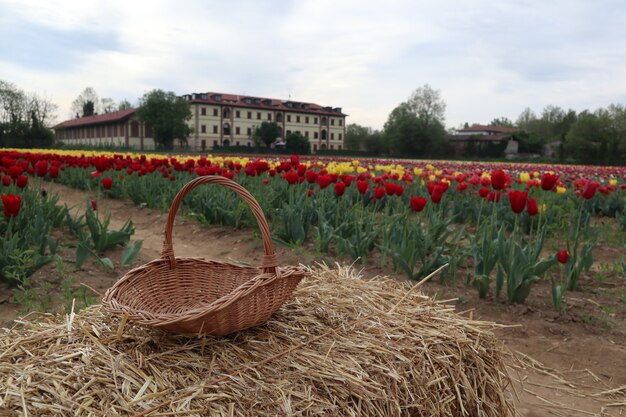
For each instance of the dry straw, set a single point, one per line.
(342, 346)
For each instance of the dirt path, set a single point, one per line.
(568, 367)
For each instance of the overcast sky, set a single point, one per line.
(487, 58)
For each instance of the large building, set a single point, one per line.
(226, 119)
(217, 120)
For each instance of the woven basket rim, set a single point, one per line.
(259, 280)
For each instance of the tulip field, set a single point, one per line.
(500, 227)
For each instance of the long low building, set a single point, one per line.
(119, 128)
(217, 120)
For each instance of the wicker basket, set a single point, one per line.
(198, 296)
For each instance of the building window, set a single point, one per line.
(289, 118)
(332, 146)
(258, 115)
(237, 143)
(279, 117)
(249, 131)
(269, 116)
(214, 128)
(306, 119)
(340, 122)
(339, 147)
(203, 111)
(215, 112)
(306, 133)
(249, 144)
(315, 120)
(340, 136)
(237, 131)
(288, 132)
(314, 147)
(332, 122)
(237, 114)
(314, 135)
(297, 119)
(249, 115)
(214, 143)
(203, 129)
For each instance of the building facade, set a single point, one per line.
(226, 120)
(120, 129)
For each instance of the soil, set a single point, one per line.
(568, 364)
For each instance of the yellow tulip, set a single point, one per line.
(560, 190)
(524, 177)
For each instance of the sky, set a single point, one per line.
(488, 59)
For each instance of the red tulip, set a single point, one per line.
(562, 256)
(532, 207)
(548, 181)
(266, 181)
(11, 205)
(107, 183)
(362, 186)
(291, 177)
(15, 171)
(21, 181)
(379, 193)
(53, 172)
(324, 181)
(589, 191)
(390, 188)
(498, 179)
(41, 167)
(437, 193)
(94, 205)
(518, 200)
(418, 203)
(483, 192)
(295, 160)
(340, 187)
(311, 176)
(6, 180)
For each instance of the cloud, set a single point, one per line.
(488, 59)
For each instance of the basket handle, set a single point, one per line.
(269, 262)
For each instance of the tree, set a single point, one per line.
(86, 104)
(501, 122)
(107, 104)
(123, 105)
(416, 127)
(587, 139)
(356, 135)
(267, 133)
(427, 104)
(168, 116)
(525, 119)
(375, 143)
(298, 144)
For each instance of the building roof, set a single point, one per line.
(262, 103)
(478, 138)
(116, 116)
(484, 128)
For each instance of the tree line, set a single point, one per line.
(416, 128)
(24, 118)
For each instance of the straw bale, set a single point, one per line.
(343, 346)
